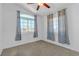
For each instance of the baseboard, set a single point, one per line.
(17, 44)
(62, 45)
(49, 41)
(0, 51)
(23, 42)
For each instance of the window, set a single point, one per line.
(27, 23)
(55, 22)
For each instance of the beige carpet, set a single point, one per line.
(39, 48)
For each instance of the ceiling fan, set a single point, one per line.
(41, 4)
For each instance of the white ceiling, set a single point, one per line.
(43, 10)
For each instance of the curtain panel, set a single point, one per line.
(35, 27)
(18, 27)
(50, 28)
(62, 27)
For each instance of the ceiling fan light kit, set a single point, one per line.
(40, 5)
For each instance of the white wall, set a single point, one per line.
(0, 28)
(9, 26)
(73, 22)
(40, 26)
(73, 28)
(0, 23)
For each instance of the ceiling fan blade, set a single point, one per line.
(46, 5)
(38, 7)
